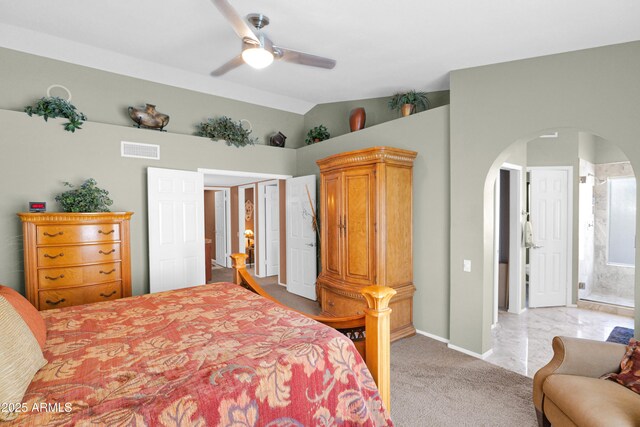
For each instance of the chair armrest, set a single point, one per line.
(577, 356)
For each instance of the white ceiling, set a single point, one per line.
(380, 46)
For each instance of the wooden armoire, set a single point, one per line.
(366, 232)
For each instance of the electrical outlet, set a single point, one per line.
(466, 265)
(582, 285)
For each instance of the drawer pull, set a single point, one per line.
(54, 256)
(54, 278)
(59, 233)
(106, 253)
(107, 296)
(106, 232)
(330, 303)
(107, 272)
(55, 302)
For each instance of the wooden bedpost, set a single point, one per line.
(378, 345)
(238, 261)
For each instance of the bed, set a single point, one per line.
(215, 354)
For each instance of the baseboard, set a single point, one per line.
(572, 305)
(471, 353)
(432, 336)
(517, 312)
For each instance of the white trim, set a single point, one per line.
(570, 220)
(260, 225)
(227, 232)
(496, 250)
(516, 284)
(432, 336)
(471, 353)
(241, 218)
(38, 43)
(262, 176)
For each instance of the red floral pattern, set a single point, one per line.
(213, 355)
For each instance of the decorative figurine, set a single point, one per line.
(277, 139)
(149, 117)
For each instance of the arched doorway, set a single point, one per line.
(579, 154)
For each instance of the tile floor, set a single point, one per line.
(522, 343)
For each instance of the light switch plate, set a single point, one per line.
(466, 265)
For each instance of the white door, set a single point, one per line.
(176, 229)
(549, 275)
(221, 234)
(272, 210)
(301, 236)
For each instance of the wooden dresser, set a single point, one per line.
(76, 258)
(366, 232)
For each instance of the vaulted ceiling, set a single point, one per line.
(380, 46)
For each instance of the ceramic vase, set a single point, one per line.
(357, 119)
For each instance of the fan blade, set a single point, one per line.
(303, 58)
(230, 65)
(240, 26)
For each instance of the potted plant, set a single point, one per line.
(317, 134)
(87, 198)
(409, 102)
(225, 128)
(52, 106)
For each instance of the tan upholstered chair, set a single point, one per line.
(568, 391)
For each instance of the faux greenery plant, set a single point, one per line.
(318, 133)
(87, 198)
(225, 128)
(53, 107)
(416, 99)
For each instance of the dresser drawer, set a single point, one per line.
(59, 234)
(69, 255)
(340, 305)
(52, 278)
(74, 296)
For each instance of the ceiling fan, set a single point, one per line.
(258, 50)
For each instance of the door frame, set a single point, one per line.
(570, 223)
(227, 223)
(260, 225)
(241, 219)
(516, 248)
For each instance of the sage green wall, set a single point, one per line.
(428, 134)
(37, 156)
(335, 115)
(104, 97)
(562, 151)
(606, 152)
(496, 105)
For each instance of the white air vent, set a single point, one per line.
(139, 150)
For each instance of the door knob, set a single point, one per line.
(536, 247)
(310, 244)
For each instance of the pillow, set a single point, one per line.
(29, 314)
(629, 375)
(21, 358)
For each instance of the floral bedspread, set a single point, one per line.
(213, 355)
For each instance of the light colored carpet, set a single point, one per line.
(432, 385)
(270, 284)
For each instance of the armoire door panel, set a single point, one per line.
(332, 227)
(359, 241)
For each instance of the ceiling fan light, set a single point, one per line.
(257, 57)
